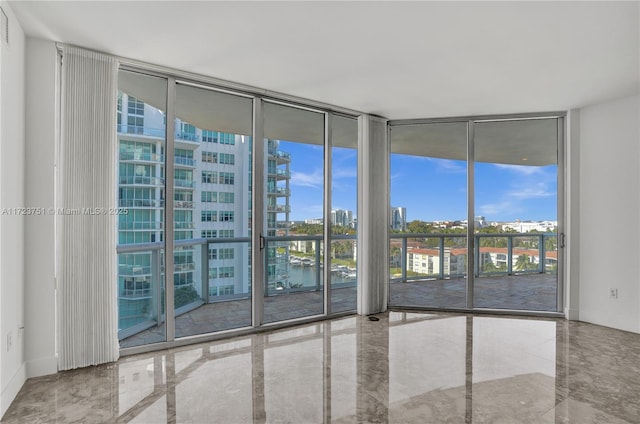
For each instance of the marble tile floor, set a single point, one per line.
(533, 292)
(405, 368)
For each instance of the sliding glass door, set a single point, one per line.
(211, 210)
(294, 209)
(474, 214)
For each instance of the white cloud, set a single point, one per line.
(314, 179)
(521, 169)
(491, 209)
(337, 173)
(396, 176)
(535, 192)
(451, 166)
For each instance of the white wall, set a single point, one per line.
(609, 213)
(41, 77)
(12, 151)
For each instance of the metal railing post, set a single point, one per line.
(403, 260)
(541, 254)
(156, 289)
(318, 267)
(441, 264)
(204, 273)
(476, 256)
(509, 255)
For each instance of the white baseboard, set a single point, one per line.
(42, 366)
(13, 387)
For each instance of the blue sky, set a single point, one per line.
(431, 189)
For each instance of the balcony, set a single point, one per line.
(282, 157)
(186, 140)
(280, 174)
(183, 161)
(304, 284)
(186, 225)
(302, 279)
(511, 271)
(135, 294)
(158, 133)
(141, 157)
(184, 183)
(184, 267)
(140, 225)
(280, 191)
(183, 204)
(279, 208)
(141, 203)
(141, 181)
(133, 270)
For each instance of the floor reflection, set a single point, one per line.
(404, 368)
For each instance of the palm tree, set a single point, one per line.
(522, 263)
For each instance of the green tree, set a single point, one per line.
(419, 227)
(522, 263)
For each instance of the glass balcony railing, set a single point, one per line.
(280, 191)
(140, 180)
(140, 225)
(184, 161)
(184, 183)
(141, 203)
(184, 136)
(279, 208)
(140, 130)
(279, 154)
(187, 225)
(140, 288)
(183, 204)
(133, 270)
(141, 156)
(283, 173)
(440, 256)
(184, 267)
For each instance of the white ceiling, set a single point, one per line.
(394, 59)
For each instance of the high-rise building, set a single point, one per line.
(342, 217)
(398, 217)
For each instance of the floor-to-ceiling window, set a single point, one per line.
(344, 219)
(141, 187)
(516, 221)
(187, 158)
(212, 210)
(428, 235)
(294, 209)
(475, 213)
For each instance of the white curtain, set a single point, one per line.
(86, 225)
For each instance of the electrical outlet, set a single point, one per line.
(613, 293)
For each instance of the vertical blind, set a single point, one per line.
(85, 201)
